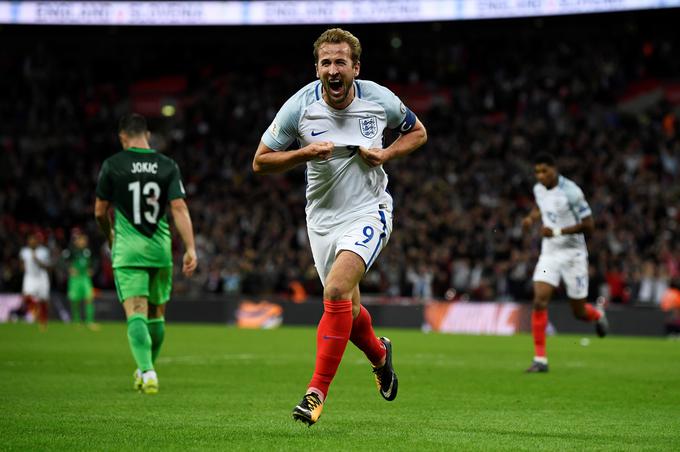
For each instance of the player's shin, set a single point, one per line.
(43, 313)
(75, 311)
(539, 322)
(140, 341)
(331, 340)
(591, 314)
(157, 333)
(365, 339)
(89, 312)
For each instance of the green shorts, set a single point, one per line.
(80, 288)
(153, 283)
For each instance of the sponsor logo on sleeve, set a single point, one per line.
(274, 129)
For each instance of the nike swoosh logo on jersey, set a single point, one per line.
(315, 133)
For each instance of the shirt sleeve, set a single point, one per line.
(578, 203)
(399, 116)
(284, 129)
(176, 187)
(104, 186)
(43, 255)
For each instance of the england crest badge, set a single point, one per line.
(369, 126)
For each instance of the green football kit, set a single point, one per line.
(79, 280)
(79, 285)
(140, 183)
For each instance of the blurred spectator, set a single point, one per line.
(616, 284)
(653, 283)
(420, 277)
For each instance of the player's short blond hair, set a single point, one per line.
(337, 36)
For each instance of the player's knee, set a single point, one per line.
(137, 306)
(541, 303)
(156, 311)
(334, 292)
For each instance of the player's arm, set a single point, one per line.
(533, 216)
(45, 265)
(101, 215)
(268, 161)
(182, 219)
(403, 145)
(586, 226)
(65, 262)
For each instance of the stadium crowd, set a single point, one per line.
(489, 102)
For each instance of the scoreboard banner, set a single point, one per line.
(300, 12)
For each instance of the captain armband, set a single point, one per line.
(408, 122)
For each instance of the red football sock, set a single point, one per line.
(592, 314)
(364, 338)
(539, 321)
(29, 304)
(42, 313)
(331, 340)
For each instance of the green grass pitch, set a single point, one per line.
(229, 389)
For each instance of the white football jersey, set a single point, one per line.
(33, 273)
(562, 206)
(343, 187)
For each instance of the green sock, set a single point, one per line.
(140, 341)
(75, 311)
(89, 312)
(157, 333)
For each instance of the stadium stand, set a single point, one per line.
(605, 102)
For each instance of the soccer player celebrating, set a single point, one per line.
(566, 219)
(79, 286)
(339, 122)
(138, 183)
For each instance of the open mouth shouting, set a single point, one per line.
(336, 88)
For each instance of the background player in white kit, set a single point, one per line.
(35, 290)
(339, 123)
(566, 218)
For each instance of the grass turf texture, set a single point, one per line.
(229, 389)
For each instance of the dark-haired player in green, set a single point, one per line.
(80, 290)
(139, 183)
